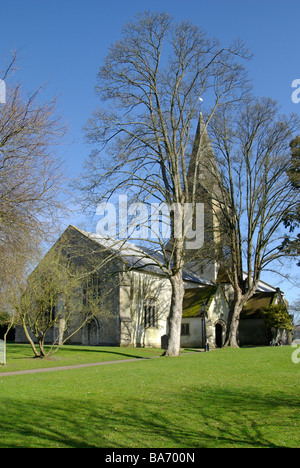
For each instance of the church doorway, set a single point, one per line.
(91, 333)
(219, 335)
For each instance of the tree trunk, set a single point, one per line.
(233, 339)
(41, 346)
(4, 340)
(36, 353)
(61, 330)
(4, 350)
(175, 314)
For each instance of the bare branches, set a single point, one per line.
(143, 134)
(153, 78)
(30, 182)
(30, 172)
(255, 194)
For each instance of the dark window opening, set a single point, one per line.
(150, 319)
(185, 329)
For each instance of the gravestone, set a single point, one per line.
(164, 341)
(2, 352)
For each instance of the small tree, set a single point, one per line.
(277, 317)
(54, 304)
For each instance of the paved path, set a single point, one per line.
(77, 366)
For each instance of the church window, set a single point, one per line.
(150, 319)
(185, 329)
(91, 290)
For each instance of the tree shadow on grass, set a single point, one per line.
(203, 417)
(118, 352)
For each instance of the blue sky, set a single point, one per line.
(63, 42)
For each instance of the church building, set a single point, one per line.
(136, 294)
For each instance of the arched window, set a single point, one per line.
(91, 289)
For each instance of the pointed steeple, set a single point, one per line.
(203, 168)
(203, 183)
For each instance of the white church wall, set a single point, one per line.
(144, 288)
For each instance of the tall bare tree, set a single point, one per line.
(291, 242)
(142, 136)
(31, 178)
(253, 194)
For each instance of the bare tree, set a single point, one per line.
(59, 298)
(44, 304)
(31, 180)
(253, 194)
(150, 82)
(291, 242)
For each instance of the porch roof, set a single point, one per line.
(194, 298)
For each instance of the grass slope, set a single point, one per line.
(225, 398)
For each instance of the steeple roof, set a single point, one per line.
(203, 168)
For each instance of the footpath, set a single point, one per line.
(76, 366)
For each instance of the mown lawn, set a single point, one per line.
(20, 356)
(224, 398)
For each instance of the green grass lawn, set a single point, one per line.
(20, 356)
(224, 398)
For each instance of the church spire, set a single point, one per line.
(203, 167)
(204, 186)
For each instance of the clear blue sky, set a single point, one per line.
(63, 42)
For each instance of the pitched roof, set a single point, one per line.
(137, 258)
(195, 298)
(257, 303)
